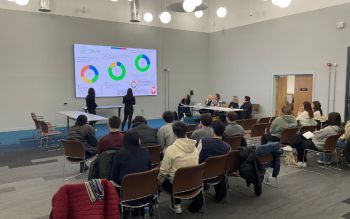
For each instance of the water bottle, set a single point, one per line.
(146, 212)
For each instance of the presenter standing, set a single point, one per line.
(91, 103)
(129, 102)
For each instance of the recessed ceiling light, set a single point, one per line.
(165, 17)
(22, 2)
(189, 5)
(221, 12)
(198, 14)
(114, 0)
(148, 17)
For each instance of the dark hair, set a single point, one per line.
(218, 127)
(247, 98)
(231, 116)
(129, 93)
(81, 120)
(287, 110)
(218, 97)
(114, 122)
(308, 108)
(139, 119)
(168, 116)
(334, 118)
(131, 139)
(317, 107)
(91, 92)
(188, 99)
(179, 129)
(183, 101)
(206, 119)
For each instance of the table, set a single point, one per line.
(213, 108)
(107, 107)
(74, 115)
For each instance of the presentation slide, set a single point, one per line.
(112, 70)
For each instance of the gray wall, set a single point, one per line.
(37, 74)
(243, 60)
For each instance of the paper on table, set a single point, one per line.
(308, 135)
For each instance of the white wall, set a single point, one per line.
(243, 59)
(37, 74)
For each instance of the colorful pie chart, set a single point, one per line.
(122, 68)
(85, 79)
(137, 63)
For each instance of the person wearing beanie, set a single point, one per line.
(130, 159)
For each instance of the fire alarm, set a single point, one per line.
(341, 25)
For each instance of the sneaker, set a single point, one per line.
(177, 209)
(320, 161)
(287, 148)
(301, 164)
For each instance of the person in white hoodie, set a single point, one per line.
(182, 153)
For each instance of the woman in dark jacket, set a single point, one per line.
(129, 102)
(91, 103)
(247, 109)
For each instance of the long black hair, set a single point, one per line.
(317, 107)
(91, 92)
(129, 93)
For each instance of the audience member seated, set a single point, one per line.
(130, 159)
(114, 138)
(247, 109)
(316, 106)
(183, 153)
(84, 133)
(318, 141)
(286, 120)
(204, 129)
(234, 103)
(165, 133)
(232, 127)
(215, 146)
(343, 140)
(148, 135)
(182, 109)
(209, 100)
(306, 115)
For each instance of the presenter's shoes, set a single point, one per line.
(177, 209)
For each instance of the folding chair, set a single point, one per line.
(46, 133)
(154, 152)
(234, 141)
(266, 160)
(264, 120)
(307, 129)
(191, 127)
(232, 165)
(258, 130)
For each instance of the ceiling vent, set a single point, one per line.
(44, 6)
(135, 11)
(178, 7)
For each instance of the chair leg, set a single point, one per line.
(204, 203)
(227, 190)
(64, 166)
(173, 206)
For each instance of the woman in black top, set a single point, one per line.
(129, 101)
(234, 103)
(90, 103)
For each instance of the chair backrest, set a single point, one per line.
(154, 152)
(131, 189)
(258, 129)
(73, 148)
(256, 108)
(241, 122)
(189, 134)
(43, 127)
(191, 127)
(288, 134)
(249, 123)
(266, 158)
(37, 124)
(188, 178)
(232, 163)
(234, 141)
(330, 144)
(308, 128)
(264, 120)
(272, 118)
(215, 166)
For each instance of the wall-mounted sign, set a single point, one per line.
(303, 89)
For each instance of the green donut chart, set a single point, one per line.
(121, 66)
(137, 64)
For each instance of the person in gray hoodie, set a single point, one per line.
(286, 120)
(205, 131)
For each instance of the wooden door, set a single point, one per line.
(302, 91)
(281, 93)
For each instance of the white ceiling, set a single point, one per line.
(238, 11)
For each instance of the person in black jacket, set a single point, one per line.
(129, 102)
(247, 109)
(148, 135)
(91, 103)
(130, 159)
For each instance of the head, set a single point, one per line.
(317, 106)
(131, 139)
(81, 120)
(139, 119)
(246, 98)
(183, 101)
(307, 107)
(218, 97)
(231, 116)
(334, 119)
(219, 128)
(206, 119)
(286, 110)
(209, 97)
(179, 129)
(114, 122)
(129, 92)
(235, 99)
(168, 116)
(91, 92)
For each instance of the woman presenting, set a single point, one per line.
(129, 102)
(91, 103)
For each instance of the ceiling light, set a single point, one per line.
(148, 17)
(198, 14)
(275, 2)
(11, 0)
(114, 0)
(221, 12)
(284, 3)
(22, 2)
(165, 17)
(189, 5)
(197, 2)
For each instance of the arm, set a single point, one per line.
(124, 100)
(161, 137)
(133, 101)
(166, 164)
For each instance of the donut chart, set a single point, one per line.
(85, 79)
(137, 63)
(111, 74)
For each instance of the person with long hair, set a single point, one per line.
(129, 102)
(234, 103)
(316, 105)
(91, 103)
(306, 115)
(247, 108)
